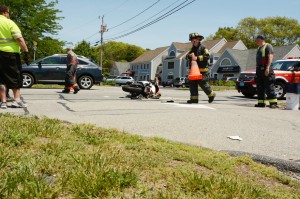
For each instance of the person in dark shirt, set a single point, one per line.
(265, 77)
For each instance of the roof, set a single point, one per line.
(246, 58)
(229, 44)
(150, 55)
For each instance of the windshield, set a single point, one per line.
(283, 65)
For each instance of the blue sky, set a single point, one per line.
(82, 20)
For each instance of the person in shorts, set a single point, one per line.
(11, 44)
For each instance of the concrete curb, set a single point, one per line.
(282, 165)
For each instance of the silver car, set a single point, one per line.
(122, 80)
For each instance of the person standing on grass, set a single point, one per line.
(11, 43)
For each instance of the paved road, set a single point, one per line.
(274, 133)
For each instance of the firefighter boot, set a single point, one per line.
(192, 101)
(211, 97)
(260, 104)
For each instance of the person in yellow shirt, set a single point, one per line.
(11, 43)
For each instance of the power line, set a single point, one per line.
(135, 15)
(172, 11)
(147, 19)
(113, 9)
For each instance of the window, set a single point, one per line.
(170, 65)
(226, 62)
(172, 54)
(170, 77)
(52, 60)
(82, 62)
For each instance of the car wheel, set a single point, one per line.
(28, 80)
(280, 90)
(250, 95)
(85, 82)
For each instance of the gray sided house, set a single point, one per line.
(175, 65)
(146, 65)
(234, 61)
(119, 67)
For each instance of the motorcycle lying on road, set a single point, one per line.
(142, 89)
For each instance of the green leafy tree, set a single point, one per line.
(116, 52)
(37, 20)
(278, 30)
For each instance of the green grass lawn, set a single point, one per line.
(48, 158)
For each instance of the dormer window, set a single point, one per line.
(172, 54)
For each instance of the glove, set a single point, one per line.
(26, 58)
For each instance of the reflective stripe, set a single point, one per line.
(203, 70)
(211, 94)
(7, 39)
(261, 101)
(201, 57)
(273, 100)
(206, 51)
(263, 50)
(194, 97)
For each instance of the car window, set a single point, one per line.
(283, 65)
(52, 60)
(82, 62)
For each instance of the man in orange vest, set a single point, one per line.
(265, 77)
(70, 79)
(202, 57)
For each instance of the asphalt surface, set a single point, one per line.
(272, 134)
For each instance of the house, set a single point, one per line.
(175, 64)
(119, 67)
(147, 65)
(233, 61)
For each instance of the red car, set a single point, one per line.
(286, 71)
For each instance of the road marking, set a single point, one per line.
(200, 106)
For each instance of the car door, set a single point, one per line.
(51, 70)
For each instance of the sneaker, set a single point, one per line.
(3, 105)
(19, 104)
(9, 99)
(76, 89)
(66, 91)
(211, 98)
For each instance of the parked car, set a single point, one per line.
(111, 78)
(179, 82)
(52, 70)
(168, 82)
(286, 71)
(230, 79)
(122, 80)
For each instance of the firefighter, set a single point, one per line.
(265, 77)
(70, 79)
(202, 54)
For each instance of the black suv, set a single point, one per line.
(52, 70)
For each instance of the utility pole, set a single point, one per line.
(102, 30)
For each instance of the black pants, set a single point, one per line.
(202, 83)
(70, 78)
(11, 70)
(265, 84)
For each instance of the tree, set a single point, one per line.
(116, 52)
(37, 21)
(278, 31)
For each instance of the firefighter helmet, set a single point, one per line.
(195, 35)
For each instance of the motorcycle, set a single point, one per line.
(142, 89)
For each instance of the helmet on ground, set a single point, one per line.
(195, 35)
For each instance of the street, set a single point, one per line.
(264, 131)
